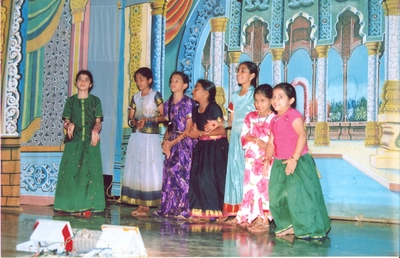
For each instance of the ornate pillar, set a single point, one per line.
(218, 27)
(277, 65)
(10, 109)
(158, 43)
(389, 112)
(322, 137)
(233, 66)
(79, 39)
(372, 129)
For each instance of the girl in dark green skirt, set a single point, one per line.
(80, 187)
(296, 201)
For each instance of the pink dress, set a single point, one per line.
(255, 186)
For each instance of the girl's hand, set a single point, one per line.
(70, 130)
(260, 143)
(193, 132)
(211, 125)
(267, 164)
(166, 148)
(291, 164)
(140, 124)
(95, 138)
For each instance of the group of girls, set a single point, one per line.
(264, 173)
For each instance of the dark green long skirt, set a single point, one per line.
(296, 200)
(80, 184)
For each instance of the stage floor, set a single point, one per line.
(173, 238)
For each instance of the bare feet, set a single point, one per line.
(141, 211)
(289, 231)
(138, 209)
(258, 226)
(243, 225)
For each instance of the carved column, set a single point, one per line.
(80, 43)
(372, 129)
(321, 126)
(277, 65)
(158, 43)
(218, 27)
(389, 112)
(11, 51)
(233, 66)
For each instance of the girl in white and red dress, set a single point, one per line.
(254, 210)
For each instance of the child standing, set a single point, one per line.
(254, 210)
(80, 187)
(242, 103)
(208, 172)
(142, 177)
(178, 149)
(295, 193)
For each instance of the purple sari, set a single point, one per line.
(176, 171)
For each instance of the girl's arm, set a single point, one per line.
(298, 126)
(213, 124)
(167, 144)
(69, 126)
(131, 121)
(95, 132)
(268, 154)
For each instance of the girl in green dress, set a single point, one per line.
(80, 187)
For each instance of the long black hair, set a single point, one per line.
(145, 72)
(210, 87)
(253, 69)
(266, 90)
(185, 79)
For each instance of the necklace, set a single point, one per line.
(265, 119)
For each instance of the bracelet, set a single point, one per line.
(293, 158)
(97, 128)
(66, 124)
(201, 133)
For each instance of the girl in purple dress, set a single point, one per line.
(178, 149)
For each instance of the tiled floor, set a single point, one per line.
(172, 238)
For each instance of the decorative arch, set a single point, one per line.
(300, 35)
(255, 43)
(192, 35)
(303, 82)
(359, 15)
(308, 18)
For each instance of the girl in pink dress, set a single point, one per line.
(295, 193)
(254, 210)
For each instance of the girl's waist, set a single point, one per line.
(211, 137)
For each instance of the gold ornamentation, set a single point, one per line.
(277, 54)
(322, 51)
(78, 10)
(135, 46)
(218, 24)
(373, 134)
(234, 57)
(322, 134)
(390, 97)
